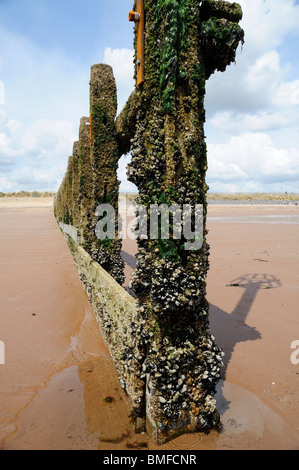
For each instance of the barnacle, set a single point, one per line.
(169, 354)
(186, 43)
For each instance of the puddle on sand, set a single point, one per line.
(84, 408)
(250, 424)
(80, 406)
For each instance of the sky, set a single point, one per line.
(48, 46)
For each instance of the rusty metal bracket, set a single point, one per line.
(138, 17)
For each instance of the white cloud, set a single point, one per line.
(35, 152)
(236, 123)
(249, 86)
(264, 72)
(2, 93)
(35, 156)
(46, 93)
(5, 185)
(252, 159)
(252, 108)
(13, 125)
(40, 82)
(121, 60)
(27, 179)
(38, 140)
(47, 136)
(126, 186)
(287, 94)
(267, 22)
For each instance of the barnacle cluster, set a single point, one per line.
(167, 358)
(182, 381)
(169, 163)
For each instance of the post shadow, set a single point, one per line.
(129, 260)
(230, 328)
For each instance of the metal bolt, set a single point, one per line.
(134, 16)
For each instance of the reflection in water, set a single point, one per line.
(83, 407)
(106, 407)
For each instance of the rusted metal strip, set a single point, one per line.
(138, 17)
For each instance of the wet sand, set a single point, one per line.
(253, 291)
(59, 388)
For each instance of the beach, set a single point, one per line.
(59, 388)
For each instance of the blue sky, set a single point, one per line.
(47, 49)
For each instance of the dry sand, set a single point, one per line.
(18, 202)
(59, 388)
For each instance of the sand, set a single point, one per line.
(59, 388)
(27, 202)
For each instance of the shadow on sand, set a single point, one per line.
(231, 328)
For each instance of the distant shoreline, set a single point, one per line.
(244, 198)
(26, 202)
(285, 201)
(211, 197)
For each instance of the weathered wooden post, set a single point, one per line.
(85, 183)
(68, 206)
(168, 360)
(76, 185)
(104, 161)
(184, 42)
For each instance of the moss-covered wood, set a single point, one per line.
(126, 122)
(85, 183)
(104, 161)
(91, 176)
(171, 355)
(185, 42)
(76, 185)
